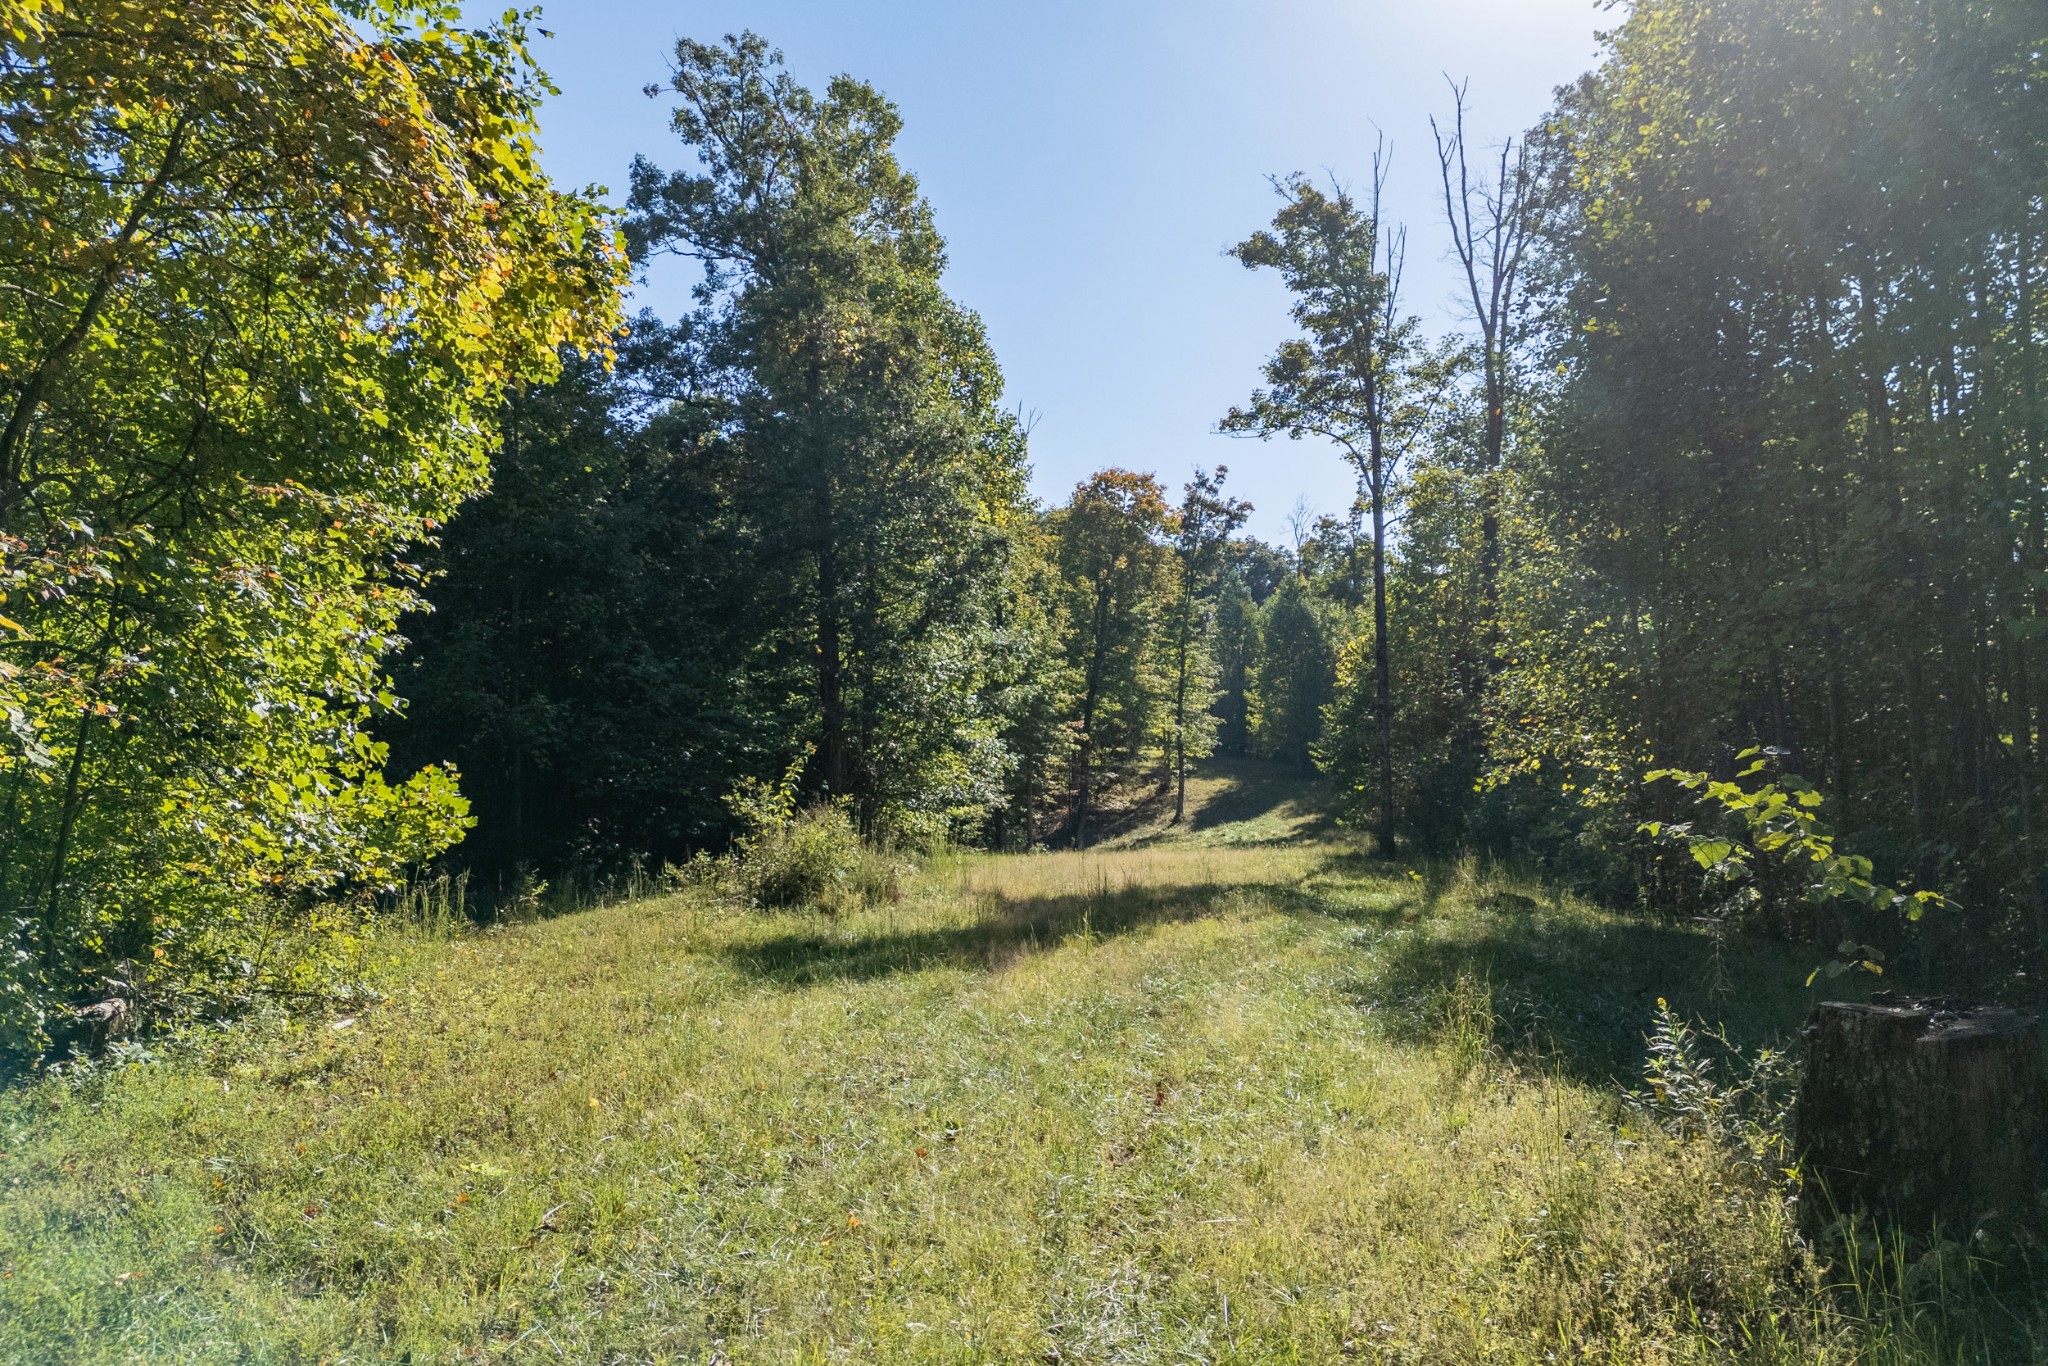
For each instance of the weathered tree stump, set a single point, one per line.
(1922, 1111)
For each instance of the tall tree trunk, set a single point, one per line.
(2033, 448)
(516, 654)
(832, 755)
(1180, 698)
(833, 760)
(1180, 777)
(1027, 794)
(863, 725)
(1383, 668)
(1886, 477)
(518, 719)
(1084, 755)
(1489, 507)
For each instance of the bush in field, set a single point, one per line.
(793, 855)
(817, 858)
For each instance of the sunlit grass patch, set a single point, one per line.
(1160, 1104)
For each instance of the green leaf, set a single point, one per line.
(1707, 853)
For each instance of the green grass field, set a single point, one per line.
(1202, 1099)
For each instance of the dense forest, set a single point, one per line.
(350, 533)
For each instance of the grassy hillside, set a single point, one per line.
(1220, 1102)
(1231, 802)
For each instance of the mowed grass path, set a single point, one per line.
(1181, 1104)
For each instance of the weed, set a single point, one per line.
(1702, 1085)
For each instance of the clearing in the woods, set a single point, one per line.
(1230, 1093)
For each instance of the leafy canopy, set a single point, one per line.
(272, 267)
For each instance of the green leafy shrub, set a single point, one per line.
(1764, 848)
(817, 858)
(792, 855)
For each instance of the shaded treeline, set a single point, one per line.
(794, 526)
(1787, 486)
(1744, 448)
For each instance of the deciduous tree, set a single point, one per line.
(1351, 377)
(270, 268)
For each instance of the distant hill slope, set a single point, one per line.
(1231, 801)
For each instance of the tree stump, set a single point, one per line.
(1922, 1112)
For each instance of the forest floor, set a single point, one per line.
(1206, 1099)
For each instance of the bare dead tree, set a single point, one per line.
(1492, 221)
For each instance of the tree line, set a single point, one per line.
(329, 472)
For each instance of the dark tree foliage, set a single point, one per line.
(1237, 654)
(602, 661)
(1791, 484)
(861, 404)
(1201, 527)
(1260, 567)
(1296, 672)
(1035, 690)
(1117, 571)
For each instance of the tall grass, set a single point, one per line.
(435, 906)
(1243, 1105)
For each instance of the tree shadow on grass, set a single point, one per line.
(1253, 790)
(1013, 926)
(1577, 992)
(1570, 989)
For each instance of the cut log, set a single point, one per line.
(1922, 1112)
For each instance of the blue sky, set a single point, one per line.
(1089, 163)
